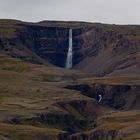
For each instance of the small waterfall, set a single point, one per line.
(69, 54)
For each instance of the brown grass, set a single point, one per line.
(112, 80)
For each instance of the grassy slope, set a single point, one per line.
(114, 80)
(24, 92)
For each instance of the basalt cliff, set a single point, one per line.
(97, 48)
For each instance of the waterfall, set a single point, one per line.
(69, 54)
(100, 98)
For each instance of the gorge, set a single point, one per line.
(69, 81)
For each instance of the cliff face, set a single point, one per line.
(51, 43)
(122, 97)
(97, 48)
(110, 52)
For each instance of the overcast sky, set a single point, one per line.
(105, 11)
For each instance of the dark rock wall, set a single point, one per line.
(51, 43)
(117, 96)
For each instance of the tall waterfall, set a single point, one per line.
(69, 54)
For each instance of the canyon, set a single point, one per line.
(96, 98)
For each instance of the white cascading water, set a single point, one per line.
(69, 54)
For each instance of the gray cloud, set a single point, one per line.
(106, 11)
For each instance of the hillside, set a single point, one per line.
(41, 100)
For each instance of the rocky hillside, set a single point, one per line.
(100, 49)
(99, 99)
(40, 102)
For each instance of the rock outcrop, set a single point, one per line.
(96, 135)
(116, 96)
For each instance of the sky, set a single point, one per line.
(104, 11)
